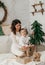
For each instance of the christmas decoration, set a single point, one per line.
(37, 36)
(37, 11)
(1, 31)
(5, 12)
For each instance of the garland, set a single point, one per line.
(5, 12)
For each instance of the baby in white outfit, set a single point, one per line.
(24, 41)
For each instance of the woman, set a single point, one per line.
(15, 28)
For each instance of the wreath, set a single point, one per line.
(5, 12)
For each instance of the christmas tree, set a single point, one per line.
(37, 36)
(1, 31)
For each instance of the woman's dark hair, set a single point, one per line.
(14, 23)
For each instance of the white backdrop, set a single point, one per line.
(21, 9)
(17, 9)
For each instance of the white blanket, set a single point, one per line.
(13, 62)
(9, 59)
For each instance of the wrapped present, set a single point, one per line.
(24, 60)
(36, 56)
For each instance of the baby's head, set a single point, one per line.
(23, 32)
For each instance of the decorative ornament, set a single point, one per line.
(5, 12)
(37, 11)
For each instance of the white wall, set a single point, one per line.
(17, 9)
(21, 9)
(9, 5)
(38, 16)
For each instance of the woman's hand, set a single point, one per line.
(24, 48)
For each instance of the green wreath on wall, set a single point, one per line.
(5, 12)
(4, 17)
(1, 31)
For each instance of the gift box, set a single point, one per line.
(24, 60)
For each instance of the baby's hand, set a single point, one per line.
(26, 45)
(24, 48)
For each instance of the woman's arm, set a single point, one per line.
(12, 37)
(15, 40)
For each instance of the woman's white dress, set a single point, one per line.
(15, 45)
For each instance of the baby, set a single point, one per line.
(24, 41)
